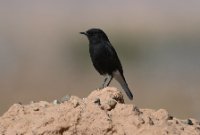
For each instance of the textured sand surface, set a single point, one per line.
(102, 112)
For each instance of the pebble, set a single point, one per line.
(56, 102)
(75, 103)
(112, 103)
(65, 98)
(188, 121)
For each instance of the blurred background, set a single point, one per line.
(43, 56)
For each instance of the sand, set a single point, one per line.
(103, 112)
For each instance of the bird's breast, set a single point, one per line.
(97, 52)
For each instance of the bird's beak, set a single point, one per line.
(84, 33)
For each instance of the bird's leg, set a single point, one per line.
(110, 77)
(104, 82)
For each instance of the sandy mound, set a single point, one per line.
(102, 112)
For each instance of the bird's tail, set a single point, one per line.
(120, 78)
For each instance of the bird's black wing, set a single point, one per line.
(113, 57)
(104, 58)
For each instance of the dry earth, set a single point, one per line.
(103, 112)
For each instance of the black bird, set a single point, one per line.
(105, 59)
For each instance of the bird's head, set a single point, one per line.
(95, 35)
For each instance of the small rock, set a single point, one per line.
(189, 122)
(56, 102)
(36, 109)
(65, 98)
(162, 114)
(109, 105)
(75, 103)
(112, 103)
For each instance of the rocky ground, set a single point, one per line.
(102, 112)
